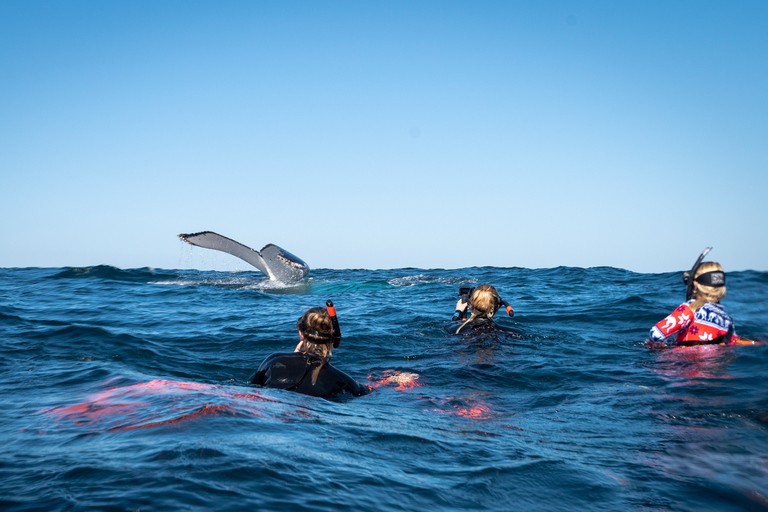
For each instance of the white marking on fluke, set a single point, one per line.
(275, 262)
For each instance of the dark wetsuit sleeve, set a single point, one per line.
(352, 386)
(259, 376)
(452, 327)
(281, 370)
(331, 382)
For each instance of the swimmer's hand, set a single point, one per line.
(744, 341)
(399, 380)
(461, 308)
(299, 347)
(403, 379)
(655, 344)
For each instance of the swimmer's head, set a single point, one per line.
(709, 282)
(315, 326)
(317, 336)
(485, 301)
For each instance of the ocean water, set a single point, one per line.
(125, 390)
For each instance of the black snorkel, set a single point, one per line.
(336, 331)
(688, 277)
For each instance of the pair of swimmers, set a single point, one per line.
(308, 370)
(698, 321)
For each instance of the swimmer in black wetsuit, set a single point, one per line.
(484, 302)
(307, 369)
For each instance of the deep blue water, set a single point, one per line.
(125, 390)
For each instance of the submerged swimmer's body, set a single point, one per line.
(483, 302)
(293, 371)
(307, 370)
(478, 325)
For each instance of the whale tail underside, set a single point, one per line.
(275, 262)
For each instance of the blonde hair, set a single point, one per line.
(702, 293)
(484, 301)
(317, 332)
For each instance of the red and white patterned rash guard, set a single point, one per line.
(685, 327)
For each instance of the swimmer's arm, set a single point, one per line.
(356, 388)
(656, 336)
(737, 340)
(257, 377)
(679, 319)
(362, 389)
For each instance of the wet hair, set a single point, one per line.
(703, 293)
(485, 301)
(317, 329)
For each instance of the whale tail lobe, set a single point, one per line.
(275, 262)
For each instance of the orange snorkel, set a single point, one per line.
(336, 331)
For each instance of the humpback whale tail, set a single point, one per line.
(275, 262)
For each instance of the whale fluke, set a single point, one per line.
(275, 262)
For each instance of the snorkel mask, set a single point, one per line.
(715, 278)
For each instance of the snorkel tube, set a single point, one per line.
(688, 277)
(336, 331)
(510, 311)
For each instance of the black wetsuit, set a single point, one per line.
(479, 325)
(293, 371)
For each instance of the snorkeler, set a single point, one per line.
(700, 320)
(307, 369)
(483, 301)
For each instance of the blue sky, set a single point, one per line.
(431, 134)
